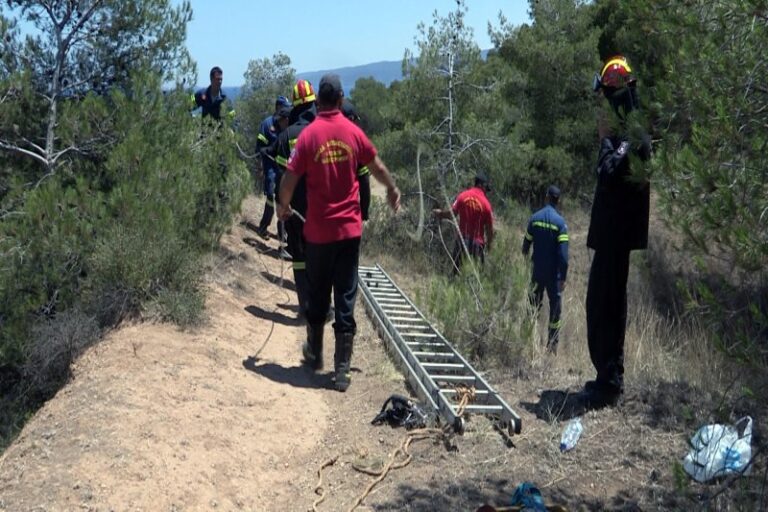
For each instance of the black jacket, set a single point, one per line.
(301, 117)
(621, 206)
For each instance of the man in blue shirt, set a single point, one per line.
(548, 234)
(269, 129)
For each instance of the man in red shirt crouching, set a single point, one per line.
(328, 153)
(475, 221)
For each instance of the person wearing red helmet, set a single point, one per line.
(618, 224)
(301, 115)
(328, 154)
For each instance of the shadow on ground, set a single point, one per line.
(255, 228)
(262, 247)
(273, 316)
(469, 495)
(296, 376)
(556, 405)
(279, 280)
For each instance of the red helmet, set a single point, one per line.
(615, 74)
(303, 93)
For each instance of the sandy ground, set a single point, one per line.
(223, 417)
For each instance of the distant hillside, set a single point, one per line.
(385, 72)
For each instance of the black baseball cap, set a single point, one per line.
(330, 89)
(283, 111)
(553, 192)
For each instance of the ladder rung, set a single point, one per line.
(419, 334)
(452, 391)
(402, 308)
(424, 344)
(378, 294)
(434, 354)
(402, 326)
(449, 366)
(406, 319)
(483, 409)
(453, 378)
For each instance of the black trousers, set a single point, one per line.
(296, 247)
(333, 267)
(607, 316)
(555, 307)
(475, 250)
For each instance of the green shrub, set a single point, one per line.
(486, 314)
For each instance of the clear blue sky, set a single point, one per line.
(327, 35)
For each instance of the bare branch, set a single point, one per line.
(16, 149)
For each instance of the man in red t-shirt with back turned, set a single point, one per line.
(475, 221)
(328, 153)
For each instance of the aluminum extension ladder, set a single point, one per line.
(432, 365)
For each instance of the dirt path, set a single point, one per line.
(223, 417)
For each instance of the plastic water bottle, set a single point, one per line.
(571, 435)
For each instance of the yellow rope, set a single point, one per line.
(465, 395)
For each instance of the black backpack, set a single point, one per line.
(403, 412)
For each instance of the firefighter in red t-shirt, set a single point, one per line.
(475, 221)
(328, 153)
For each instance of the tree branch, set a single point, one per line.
(16, 149)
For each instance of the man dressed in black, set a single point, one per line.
(618, 225)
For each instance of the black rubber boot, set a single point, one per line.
(342, 358)
(266, 220)
(313, 347)
(597, 395)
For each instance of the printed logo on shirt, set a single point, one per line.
(333, 151)
(623, 148)
(473, 204)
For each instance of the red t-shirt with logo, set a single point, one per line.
(328, 153)
(474, 212)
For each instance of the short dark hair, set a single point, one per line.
(215, 70)
(330, 89)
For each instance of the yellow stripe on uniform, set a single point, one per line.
(529, 237)
(262, 138)
(299, 265)
(546, 225)
(555, 325)
(563, 238)
(281, 160)
(363, 171)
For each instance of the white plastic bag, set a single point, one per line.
(719, 450)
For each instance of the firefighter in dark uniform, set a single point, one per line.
(302, 114)
(269, 129)
(618, 225)
(211, 98)
(363, 173)
(548, 234)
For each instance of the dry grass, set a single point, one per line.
(658, 348)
